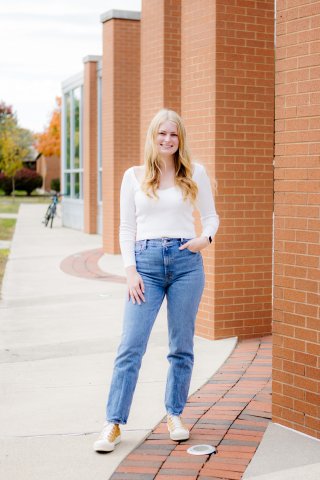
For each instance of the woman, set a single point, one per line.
(161, 256)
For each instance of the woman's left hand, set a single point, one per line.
(195, 244)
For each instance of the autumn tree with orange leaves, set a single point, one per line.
(48, 142)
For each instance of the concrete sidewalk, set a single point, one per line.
(285, 454)
(59, 336)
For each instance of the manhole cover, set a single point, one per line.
(201, 449)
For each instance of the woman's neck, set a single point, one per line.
(168, 163)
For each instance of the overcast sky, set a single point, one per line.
(43, 42)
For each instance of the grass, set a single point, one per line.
(7, 228)
(9, 204)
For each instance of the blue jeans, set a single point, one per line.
(179, 275)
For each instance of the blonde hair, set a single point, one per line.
(182, 159)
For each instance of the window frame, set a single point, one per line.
(68, 90)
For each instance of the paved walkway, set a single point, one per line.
(86, 265)
(58, 340)
(60, 327)
(231, 412)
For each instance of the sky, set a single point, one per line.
(42, 43)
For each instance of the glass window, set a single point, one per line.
(67, 185)
(76, 185)
(73, 143)
(76, 123)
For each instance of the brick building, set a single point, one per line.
(49, 169)
(214, 63)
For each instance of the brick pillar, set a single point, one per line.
(120, 113)
(90, 143)
(160, 59)
(296, 324)
(227, 97)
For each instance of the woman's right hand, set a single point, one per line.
(135, 285)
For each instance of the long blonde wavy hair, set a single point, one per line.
(182, 160)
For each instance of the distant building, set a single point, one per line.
(49, 169)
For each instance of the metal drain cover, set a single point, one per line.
(201, 449)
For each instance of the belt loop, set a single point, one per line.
(145, 244)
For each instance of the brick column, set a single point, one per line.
(120, 113)
(296, 324)
(160, 59)
(90, 143)
(227, 97)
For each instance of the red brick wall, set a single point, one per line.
(296, 319)
(120, 117)
(172, 55)
(198, 110)
(90, 146)
(227, 101)
(160, 60)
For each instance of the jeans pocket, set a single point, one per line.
(192, 253)
(187, 249)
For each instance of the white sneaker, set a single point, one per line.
(178, 431)
(109, 437)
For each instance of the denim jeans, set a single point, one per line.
(179, 275)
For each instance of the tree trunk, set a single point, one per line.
(13, 187)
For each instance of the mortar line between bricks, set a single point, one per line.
(223, 396)
(163, 462)
(255, 395)
(252, 394)
(240, 377)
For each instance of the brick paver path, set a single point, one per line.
(231, 412)
(85, 264)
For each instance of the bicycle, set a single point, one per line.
(51, 210)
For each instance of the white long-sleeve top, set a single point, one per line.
(142, 217)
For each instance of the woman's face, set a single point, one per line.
(167, 138)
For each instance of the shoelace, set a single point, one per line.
(176, 421)
(106, 431)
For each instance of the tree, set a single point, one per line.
(48, 142)
(15, 143)
(5, 112)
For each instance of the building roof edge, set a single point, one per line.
(122, 14)
(92, 58)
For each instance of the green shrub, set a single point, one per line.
(55, 184)
(25, 179)
(5, 184)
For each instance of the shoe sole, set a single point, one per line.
(177, 438)
(110, 448)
